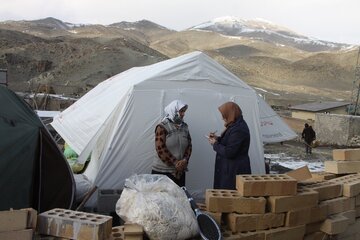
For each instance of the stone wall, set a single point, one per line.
(334, 129)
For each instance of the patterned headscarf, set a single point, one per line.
(172, 111)
(230, 112)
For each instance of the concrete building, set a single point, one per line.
(307, 111)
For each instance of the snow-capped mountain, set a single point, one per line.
(266, 31)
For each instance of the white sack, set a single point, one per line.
(159, 205)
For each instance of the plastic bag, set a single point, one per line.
(159, 205)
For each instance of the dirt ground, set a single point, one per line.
(291, 155)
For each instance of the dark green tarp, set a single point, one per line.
(33, 171)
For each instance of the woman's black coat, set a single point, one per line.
(232, 157)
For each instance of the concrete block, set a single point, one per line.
(322, 176)
(351, 215)
(266, 185)
(300, 174)
(285, 233)
(318, 213)
(13, 220)
(74, 225)
(251, 222)
(351, 184)
(304, 198)
(315, 236)
(215, 215)
(132, 229)
(227, 201)
(228, 235)
(341, 167)
(327, 190)
(107, 199)
(338, 205)
(313, 227)
(298, 217)
(335, 224)
(346, 154)
(26, 234)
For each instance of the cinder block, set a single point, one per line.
(346, 154)
(227, 201)
(335, 224)
(351, 184)
(228, 235)
(351, 215)
(327, 190)
(215, 215)
(304, 198)
(313, 227)
(300, 174)
(318, 213)
(132, 230)
(285, 233)
(341, 167)
(351, 229)
(26, 234)
(251, 222)
(322, 176)
(315, 236)
(107, 199)
(266, 185)
(298, 217)
(338, 205)
(13, 220)
(74, 225)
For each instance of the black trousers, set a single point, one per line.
(180, 182)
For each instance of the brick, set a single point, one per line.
(327, 190)
(322, 176)
(132, 229)
(341, 167)
(313, 227)
(298, 217)
(318, 213)
(338, 205)
(285, 233)
(228, 235)
(335, 224)
(351, 215)
(266, 185)
(26, 234)
(352, 229)
(117, 233)
(13, 220)
(357, 200)
(227, 201)
(214, 215)
(351, 184)
(315, 236)
(304, 198)
(251, 222)
(107, 199)
(346, 154)
(73, 224)
(300, 174)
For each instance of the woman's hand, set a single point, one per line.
(212, 140)
(181, 165)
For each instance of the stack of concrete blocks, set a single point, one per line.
(70, 224)
(263, 207)
(128, 231)
(345, 161)
(18, 224)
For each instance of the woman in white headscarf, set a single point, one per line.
(172, 144)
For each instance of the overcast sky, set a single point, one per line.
(331, 20)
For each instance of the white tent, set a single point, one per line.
(116, 120)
